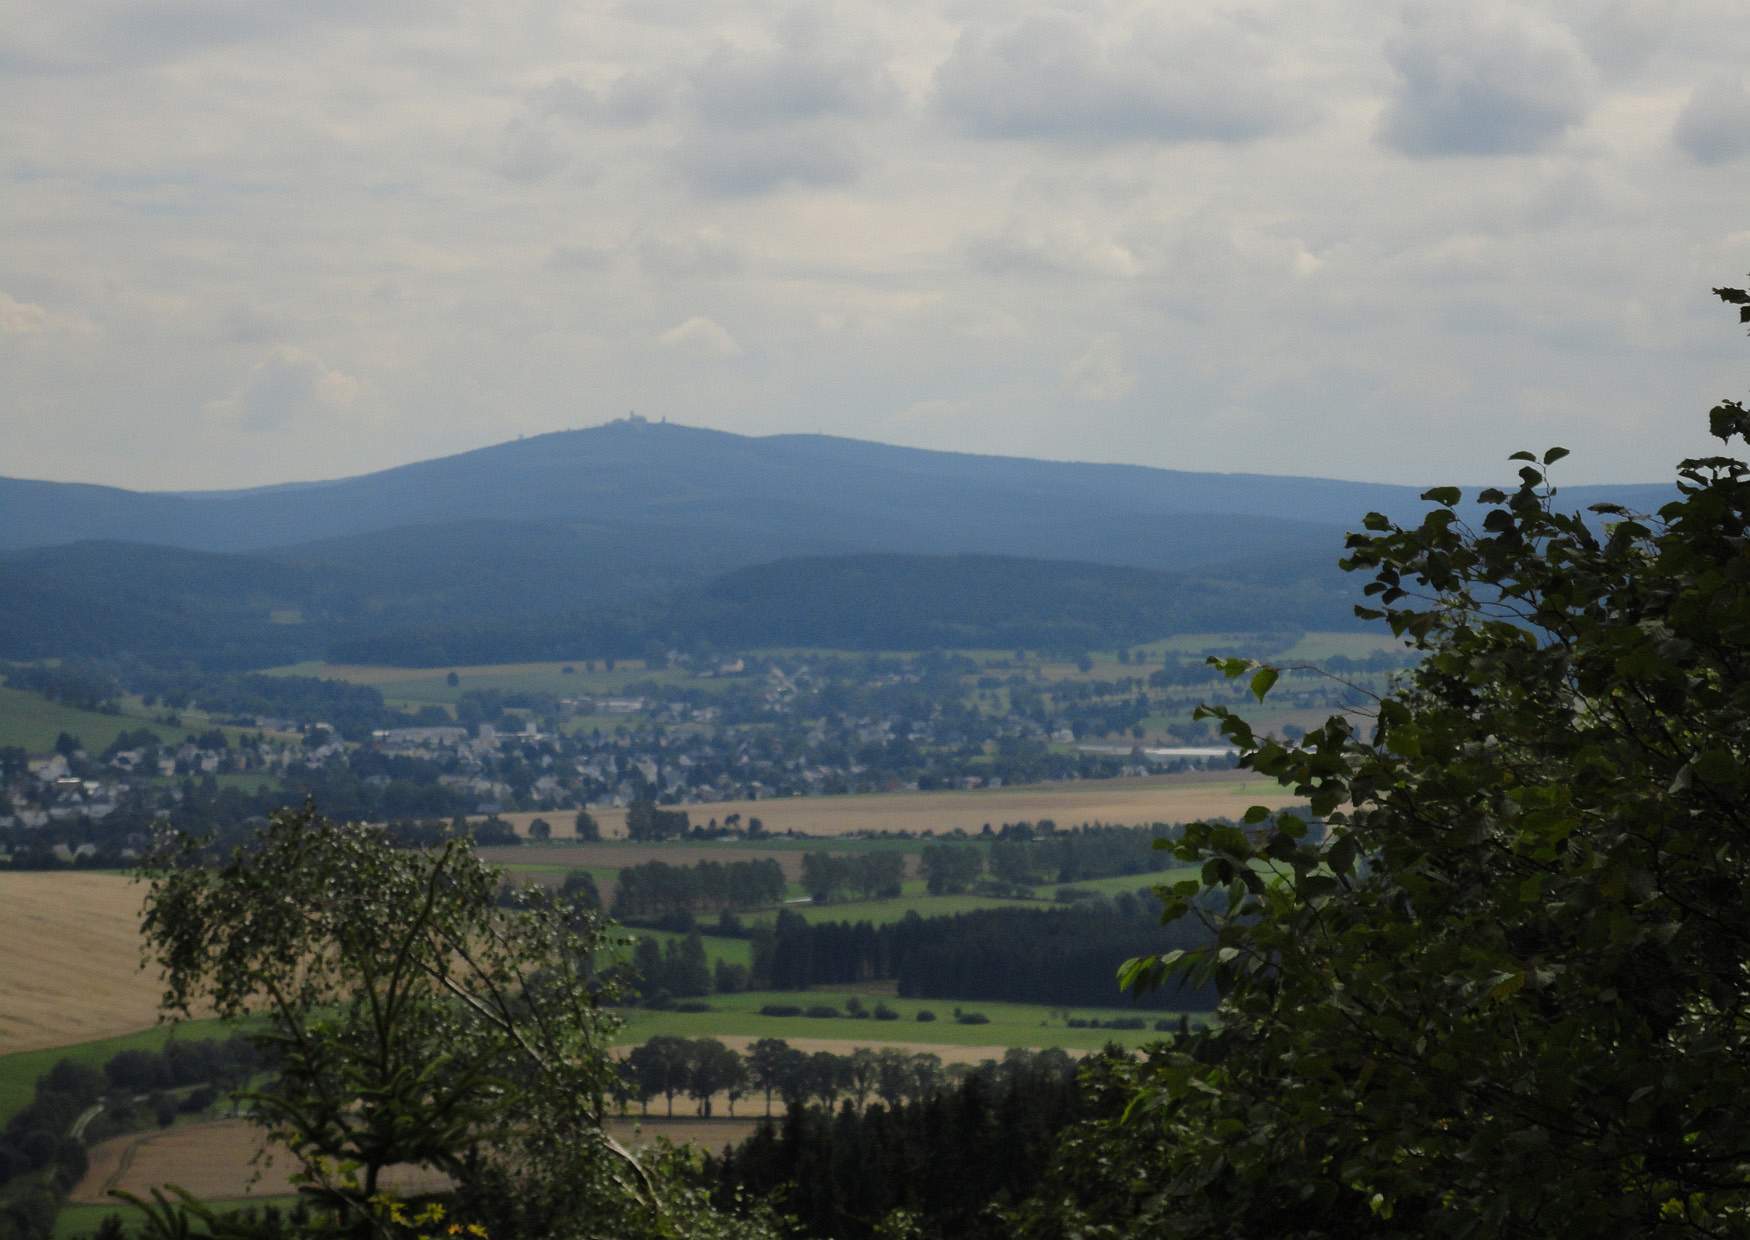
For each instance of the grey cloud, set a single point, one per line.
(579, 258)
(1472, 81)
(1715, 125)
(527, 151)
(54, 37)
(803, 77)
(630, 99)
(1057, 77)
(1621, 36)
(704, 253)
(1066, 247)
(741, 162)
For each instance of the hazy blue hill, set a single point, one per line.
(753, 499)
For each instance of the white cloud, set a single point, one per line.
(283, 391)
(1099, 373)
(701, 336)
(26, 318)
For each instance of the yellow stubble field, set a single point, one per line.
(71, 969)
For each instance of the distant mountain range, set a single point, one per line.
(634, 526)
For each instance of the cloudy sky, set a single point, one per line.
(247, 242)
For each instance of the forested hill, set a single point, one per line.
(612, 539)
(787, 495)
(905, 602)
(426, 603)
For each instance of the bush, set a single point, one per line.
(1077, 1022)
(199, 1100)
(780, 1009)
(925, 1015)
(692, 1005)
(883, 1012)
(822, 1011)
(971, 1018)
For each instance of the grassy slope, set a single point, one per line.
(33, 722)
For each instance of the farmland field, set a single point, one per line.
(1153, 798)
(210, 1160)
(215, 1161)
(71, 971)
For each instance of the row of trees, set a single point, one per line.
(656, 888)
(646, 822)
(1058, 956)
(701, 1069)
(866, 876)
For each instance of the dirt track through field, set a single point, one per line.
(71, 969)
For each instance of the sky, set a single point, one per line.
(247, 242)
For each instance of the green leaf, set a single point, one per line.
(1443, 495)
(1262, 680)
(1554, 455)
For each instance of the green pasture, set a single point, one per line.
(1010, 1024)
(717, 947)
(20, 1070)
(32, 723)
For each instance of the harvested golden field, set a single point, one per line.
(216, 1160)
(213, 1160)
(71, 969)
(712, 1134)
(1154, 798)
